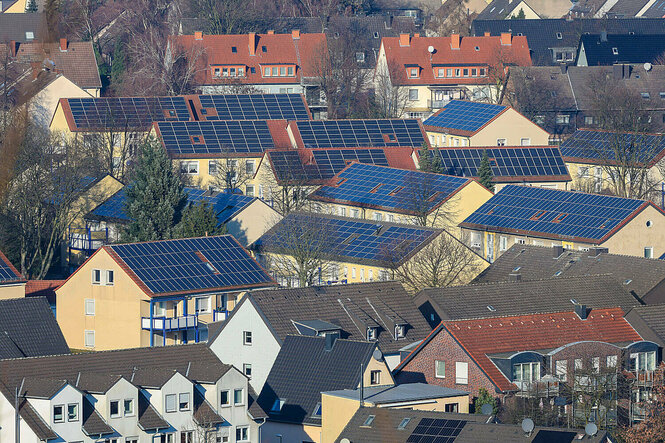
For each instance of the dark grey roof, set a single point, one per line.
(41, 429)
(40, 387)
(657, 10)
(498, 10)
(649, 322)
(626, 8)
(544, 35)
(317, 325)
(304, 368)
(204, 414)
(95, 382)
(253, 407)
(505, 298)
(352, 307)
(606, 50)
(149, 418)
(638, 275)
(93, 423)
(399, 393)
(14, 26)
(29, 329)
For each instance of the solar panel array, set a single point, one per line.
(6, 272)
(321, 164)
(553, 213)
(216, 137)
(464, 116)
(390, 188)
(360, 133)
(191, 264)
(126, 112)
(505, 162)
(602, 145)
(436, 430)
(254, 107)
(348, 238)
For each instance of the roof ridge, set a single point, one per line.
(594, 311)
(535, 280)
(651, 260)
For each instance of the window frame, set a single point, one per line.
(461, 366)
(375, 377)
(76, 414)
(228, 398)
(132, 411)
(117, 414)
(109, 281)
(98, 280)
(86, 304)
(187, 403)
(197, 307)
(167, 397)
(246, 366)
(438, 364)
(86, 334)
(245, 336)
(62, 413)
(242, 397)
(240, 437)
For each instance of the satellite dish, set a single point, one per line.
(345, 440)
(591, 429)
(378, 355)
(430, 49)
(647, 66)
(527, 425)
(487, 409)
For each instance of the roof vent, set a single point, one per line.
(515, 277)
(596, 251)
(581, 311)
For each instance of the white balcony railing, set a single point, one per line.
(170, 323)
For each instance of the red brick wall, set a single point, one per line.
(586, 351)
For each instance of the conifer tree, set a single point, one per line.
(436, 165)
(198, 220)
(425, 160)
(485, 172)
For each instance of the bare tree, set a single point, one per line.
(452, 17)
(391, 97)
(231, 174)
(420, 196)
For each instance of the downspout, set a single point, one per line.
(262, 423)
(151, 324)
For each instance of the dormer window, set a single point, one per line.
(264, 49)
(526, 372)
(559, 36)
(400, 332)
(376, 35)
(371, 333)
(234, 49)
(217, 72)
(360, 57)
(615, 51)
(413, 72)
(317, 410)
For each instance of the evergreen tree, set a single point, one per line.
(31, 6)
(436, 165)
(520, 15)
(485, 172)
(425, 160)
(198, 220)
(156, 198)
(484, 397)
(118, 64)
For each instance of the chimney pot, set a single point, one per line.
(63, 44)
(271, 32)
(198, 35)
(454, 41)
(252, 43)
(487, 34)
(581, 311)
(506, 38)
(557, 250)
(295, 34)
(404, 39)
(596, 251)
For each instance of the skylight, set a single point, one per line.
(317, 410)
(615, 51)
(645, 95)
(403, 423)
(573, 301)
(278, 405)
(559, 36)
(627, 281)
(491, 308)
(369, 421)
(517, 268)
(557, 273)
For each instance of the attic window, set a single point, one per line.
(491, 308)
(395, 191)
(538, 215)
(375, 188)
(197, 139)
(477, 48)
(234, 49)
(662, 95)
(371, 334)
(645, 95)
(559, 36)
(615, 51)
(627, 281)
(517, 268)
(264, 49)
(336, 35)
(376, 35)
(211, 268)
(403, 423)
(29, 35)
(559, 218)
(573, 301)
(557, 273)
(369, 421)
(400, 332)
(252, 70)
(317, 410)
(278, 405)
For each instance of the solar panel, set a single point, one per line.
(254, 107)
(182, 265)
(436, 430)
(464, 116)
(603, 145)
(6, 272)
(507, 163)
(360, 133)
(390, 188)
(553, 213)
(121, 113)
(216, 137)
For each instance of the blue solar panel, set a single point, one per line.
(604, 145)
(254, 107)
(402, 190)
(192, 264)
(436, 430)
(215, 137)
(360, 133)
(6, 271)
(508, 163)
(552, 213)
(464, 116)
(350, 239)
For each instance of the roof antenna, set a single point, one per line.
(189, 365)
(131, 380)
(78, 378)
(362, 386)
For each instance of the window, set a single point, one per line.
(186, 437)
(458, 72)
(170, 403)
(290, 71)
(132, 440)
(183, 401)
(413, 72)
(615, 51)
(73, 412)
(611, 361)
(96, 276)
(465, 72)
(355, 214)
(202, 305)
(212, 167)
(375, 377)
(275, 71)
(643, 361)
(266, 71)
(462, 373)
(353, 272)
(561, 369)
(109, 278)
(241, 71)
(503, 243)
(378, 216)
(264, 49)
(249, 190)
(189, 167)
(439, 369)
(526, 372)
(645, 95)
(588, 120)
(89, 306)
(403, 423)
(58, 413)
(452, 407)
(29, 35)
(520, 241)
(474, 72)
(583, 171)
(278, 405)
(391, 218)
(247, 338)
(449, 72)
(237, 396)
(413, 94)
(282, 71)
(247, 369)
(562, 119)
(525, 141)
(559, 36)
(399, 332)
(360, 57)
(114, 408)
(224, 399)
(501, 142)
(89, 339)
(368, 422)
(317, 410)
(482, 72)
(371, 333)
(648, 252)
(578, 364)
(441, 72)
(128, 407)
(250, 167)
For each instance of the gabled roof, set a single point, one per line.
(28, 414)
(42, 288)
(304, 368)
(649, 322)
(627, 8)
(459, 117)
(555, 214)
(601, 147)
(149, 418)
(8, 273)
(189, 266)
(656, 10)
(94, 424)
(18, 26)
(610, 49)
(390, 189)
(537, 332)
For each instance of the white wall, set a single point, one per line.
(127, 426)
(68, 431)
(7, 423)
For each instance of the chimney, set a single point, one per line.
(198, 35)
(454, 41)
(515, 277)
(487, 34)
(330, 341)
(295, 34)
(603, 36)
(63, 44)
(596, 251)
(12, 48)
(557, 250)
(564, 68)
(271, 32)
(506, 38)
(252, 43)
(404, 40)
(417, 34)
(581, 311)
(617, 71)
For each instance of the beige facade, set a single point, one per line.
(14, 290)
(44, 104)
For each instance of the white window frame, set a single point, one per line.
(534, 371)
(242, 395)
(167, 398)
(561, 369)
(503, 243)
(117, 414)
(131, 411)
(203, 309)
(186, 167)
(413, 95)
(96, 276)
(228, 398)
(110, 277)
(461, 368)
(87, 334)
(75, 415)
(212, 167)
(525, 142)
(648, 252)
(89, 306)
(249, 190)
(62, 413)
(246, 366)
(501, 142)
(187, 401)
(611, 361)
(375, 377)
(242, 437)
(247, 338)
(439, 369)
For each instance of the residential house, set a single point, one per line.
(641, 276)
(541, 166)
(379, 311)
(307, 366)
(456, 68)
(273, 63)
(375, 424)
(379, 193)
(176, 393)
(529, 9)
(154, 293)
(464, 123)
(517, 297)
(20, 7)
(28, 329)
(619, 9)
(43, 288)
(574, 220)
(21, 27)
(12, 283)
(356, 250)
(608, 50)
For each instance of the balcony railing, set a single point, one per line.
(537, 388)
(436, 104)
(170, 323)
(220, 315)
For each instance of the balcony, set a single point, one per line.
(436, 104)
(170, 323)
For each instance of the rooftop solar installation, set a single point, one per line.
(351, 239)
(360, 133)
(436, 430)
(552, 213)
(507, 163)
(254, 107)
(7, 272)
(216, 137)
(191, 264)
(390, 188)
(604, 145)
(126, 112)
(464, 116)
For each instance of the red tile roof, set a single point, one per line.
(490, 52)
(303, 50)
(280, 136)
(35, 288)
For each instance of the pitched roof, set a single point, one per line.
(149, 418)
(304, 368)
(627, 8)
(43, 288)
(27, 412)
(537, 332)
(190, 265)
(610, 49)
(390, 189)
(407, 392)
(351, 308)
(556, 214)
(28, 329)
(601, 147)
(649, 322)
(8, 273)
(93, 423)
(638, 275)
(18, 26)
(656, 10)
(504, 298)
(459, 117)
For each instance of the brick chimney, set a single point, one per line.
(63, 44)
(271, 32)
(506, 38)
(12, 48)
(487, 34)
(405, 40)
(295, 34)
(252, 43)
(417, 34)
(198, 35)
(454, 41)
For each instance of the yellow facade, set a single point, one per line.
(17, 8)
(589, 177)
(16, 290)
